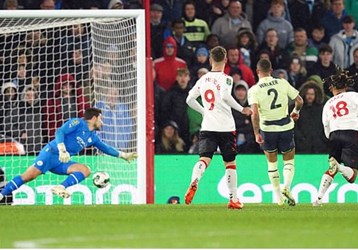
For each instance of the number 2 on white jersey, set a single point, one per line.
(340, 109)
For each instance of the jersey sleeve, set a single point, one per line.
(105, 148)
(191, 100)
(251, 96)
(68, 127)
(325, 121)
(291, 91)
(227, 86)
(225, 93)
(194, 93)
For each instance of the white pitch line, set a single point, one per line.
(44, 243)
(34, 243)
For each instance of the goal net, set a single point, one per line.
(55, 64)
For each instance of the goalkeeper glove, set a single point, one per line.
(64, 156)
(128, 156)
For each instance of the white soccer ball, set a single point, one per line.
(101, 179)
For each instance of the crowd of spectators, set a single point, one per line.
(303, 39)
(70, 4)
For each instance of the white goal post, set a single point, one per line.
(68, 60)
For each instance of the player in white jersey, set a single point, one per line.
(273, 126)
(340, 122)
(218, 125)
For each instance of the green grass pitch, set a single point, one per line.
(179, 226)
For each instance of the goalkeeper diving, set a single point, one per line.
(71, 138)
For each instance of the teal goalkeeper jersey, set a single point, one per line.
(272, 96)
(76, 136)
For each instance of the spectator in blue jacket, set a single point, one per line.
(117, 128)
(332, 20)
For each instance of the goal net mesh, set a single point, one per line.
(51, 70)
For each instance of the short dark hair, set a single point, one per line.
(178, 21)
(269, 30)
(280, 2)
(90, 112)
(211, 36)
(299, 29)
(233, 1)
(189, 2)
(218, 53)
(182, 71)
(235, 70)
(348, 19)
(264, 65)
(325, 48)
(264, 51)
(318, 26)
(355, 50)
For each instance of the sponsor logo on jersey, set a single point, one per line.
(74, 122)
(81, 142)
(228, 81)
(39, 163)
(89, 140)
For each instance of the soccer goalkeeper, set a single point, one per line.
(74, 135)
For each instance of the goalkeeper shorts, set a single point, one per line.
(47, 160)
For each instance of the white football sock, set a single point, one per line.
(231, 181)
(326, 181)
(288, 172)
(347, 172)
(198, 171)
(1, 197)
(274, 177)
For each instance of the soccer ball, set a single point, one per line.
(101, 179)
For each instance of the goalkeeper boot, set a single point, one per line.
(191, 192)
(317, 203)
(290, 200)
(60, 191)
(333, 166)
(235, 205)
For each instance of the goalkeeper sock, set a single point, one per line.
(198, 171)
(348, 173)
(326, 181)
(274, 177)
(288, 173)
(73, 179)
(12, 185)
(231, 181)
